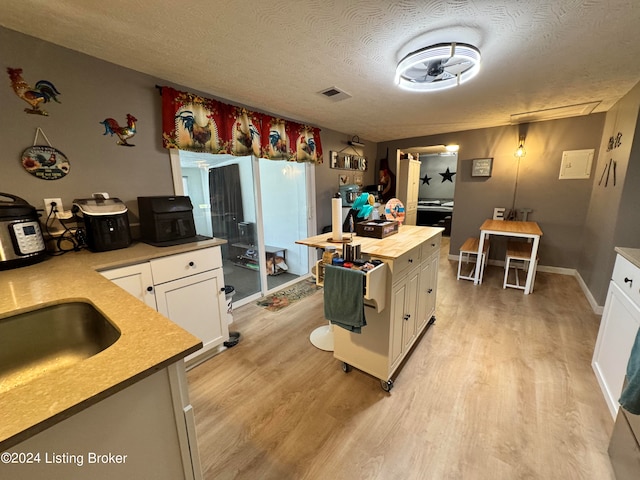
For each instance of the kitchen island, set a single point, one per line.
(401, 305)
(148, 351)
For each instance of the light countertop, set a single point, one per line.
(391, 247)
(148, 340)
(631, 254)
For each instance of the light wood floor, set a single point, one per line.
(501, 387)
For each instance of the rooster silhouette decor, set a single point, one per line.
(124, 133)
(43, 92)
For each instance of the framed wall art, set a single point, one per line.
(481, 167)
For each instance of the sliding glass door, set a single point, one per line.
(260, 207)
(285, 218)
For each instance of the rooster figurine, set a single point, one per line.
(124, 133)
(43, 92)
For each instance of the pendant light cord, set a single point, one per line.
(515, 190)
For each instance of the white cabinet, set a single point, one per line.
(135, 279)
(391, 333)
(407, 186)
(428, 285)
(618, 328)
(194, 303)
(404, 304)
(187, 288)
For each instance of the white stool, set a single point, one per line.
(322, 337)
(518, 258)
(469, 248)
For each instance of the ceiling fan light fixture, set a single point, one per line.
(437, 67)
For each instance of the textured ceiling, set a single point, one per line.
(275, 56)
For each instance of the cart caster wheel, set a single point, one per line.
(346, 368)
(386, 385)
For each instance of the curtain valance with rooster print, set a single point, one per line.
(191, 122)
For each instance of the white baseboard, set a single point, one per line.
(597, 309)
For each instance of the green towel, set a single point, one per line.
(630, 398)
(344, 298)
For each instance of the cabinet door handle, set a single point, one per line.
(191, 264)
(411, 260)
(430, 290)
(407, 317)
(629, 281)
(149, 288)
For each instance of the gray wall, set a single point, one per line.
(327, 179)
(613, 218)
(559, 206)
(582, 222)
(93, 90)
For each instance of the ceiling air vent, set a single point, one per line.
(334, 94)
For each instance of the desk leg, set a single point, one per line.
(476, 279)
(532, 265)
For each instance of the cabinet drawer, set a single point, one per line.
(404, 262)
(627, 276)
(431, 246)
(186, 264)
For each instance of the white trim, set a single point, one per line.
(597, 309)
(176, 171)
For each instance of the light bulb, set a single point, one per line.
(520, 152)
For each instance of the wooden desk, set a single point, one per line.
(512, 229)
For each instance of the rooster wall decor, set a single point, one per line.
(199, 134)
(124, 133)
(43, 92)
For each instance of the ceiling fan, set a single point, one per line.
(438, 66)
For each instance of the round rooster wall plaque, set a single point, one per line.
(45, 162)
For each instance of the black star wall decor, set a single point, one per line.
(447, 176)
(426, 179)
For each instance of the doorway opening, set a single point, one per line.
(259, 206)
(436, 188)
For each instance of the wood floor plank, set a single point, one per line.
(501, 387)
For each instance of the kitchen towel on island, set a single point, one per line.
(343, 298)
(630, 398)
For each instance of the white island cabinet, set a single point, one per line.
(188, 289)
(618, 328)
(402, 307)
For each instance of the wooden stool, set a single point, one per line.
(518, 257)
(469, 248)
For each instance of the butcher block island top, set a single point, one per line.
(391, 247)
(148, 341)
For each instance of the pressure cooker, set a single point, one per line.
(21, 240)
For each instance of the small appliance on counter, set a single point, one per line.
(349, 193)
(21, 240)
(167, 220)
(106, 223)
